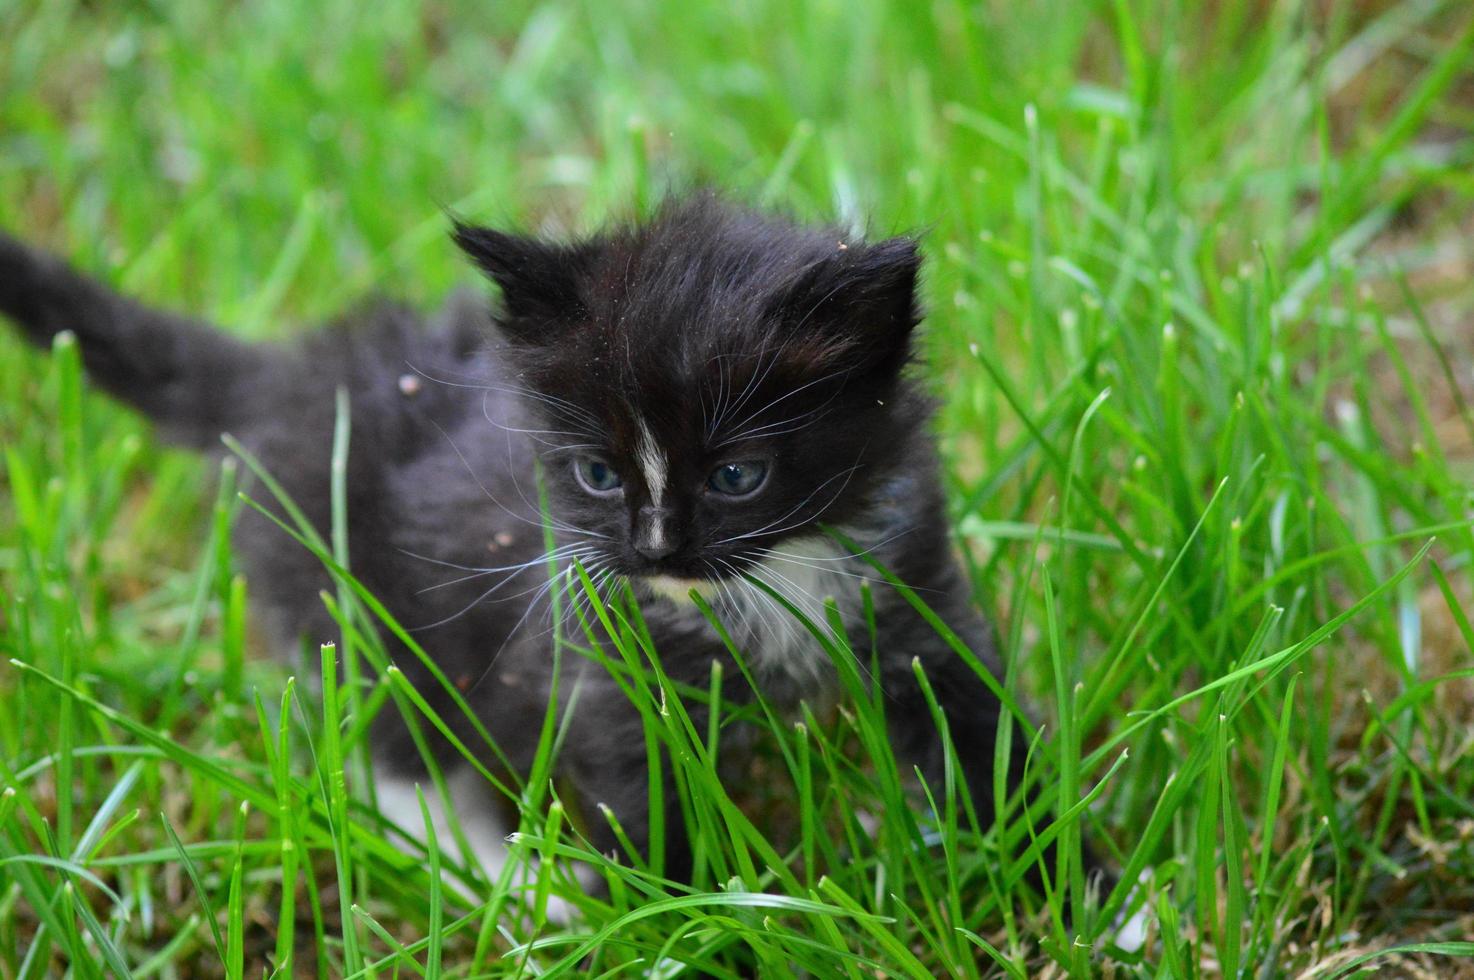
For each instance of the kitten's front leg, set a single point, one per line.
(607, 761)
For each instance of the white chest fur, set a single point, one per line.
(805, 573)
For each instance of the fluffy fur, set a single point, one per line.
(652, 356)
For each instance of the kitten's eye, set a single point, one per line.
(596, 475)
(737, 479)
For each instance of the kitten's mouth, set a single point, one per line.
(678, 589)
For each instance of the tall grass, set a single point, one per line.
(1197, 274)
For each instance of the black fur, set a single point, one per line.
(713, 333)
(194, 381)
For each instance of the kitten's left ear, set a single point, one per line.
(540, 281)
(862, 296)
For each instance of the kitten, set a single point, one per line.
(703, 395)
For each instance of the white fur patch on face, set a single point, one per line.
(653, 465)
(679, 589)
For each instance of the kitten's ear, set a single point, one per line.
(539, 281)
(863, 298)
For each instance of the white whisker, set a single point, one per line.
(480, 599)
(847, 555)
(562, 579)
(541, 525)
(758, 377)
(738, 427)
(478, 568)
(807, 564)
(765, 529)
(559, 404)
(773, 429)
(542, 559)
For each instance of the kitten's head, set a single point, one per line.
(712, 383)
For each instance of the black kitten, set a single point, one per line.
(705, 393)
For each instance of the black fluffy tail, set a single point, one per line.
(193, 381)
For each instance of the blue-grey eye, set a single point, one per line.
(736, 479)
(596, 475)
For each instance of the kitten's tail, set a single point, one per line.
(192, 380)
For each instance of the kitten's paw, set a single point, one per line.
(1133, 921)
(484, 832)
(486, 840)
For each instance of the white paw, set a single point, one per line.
(1131, 926)
(483, 828)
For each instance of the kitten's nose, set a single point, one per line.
(654, 536)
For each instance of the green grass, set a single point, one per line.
(1198, 278)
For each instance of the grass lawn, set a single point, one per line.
(1199, 275)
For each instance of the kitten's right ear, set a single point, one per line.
(539, 281)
